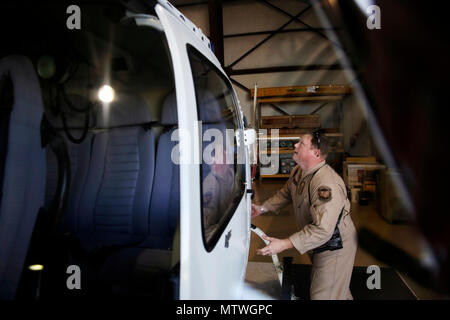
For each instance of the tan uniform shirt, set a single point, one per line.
(317, 219)
(217, 195)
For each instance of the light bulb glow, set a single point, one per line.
(36, 267)
(106, 93)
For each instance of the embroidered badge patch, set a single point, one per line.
(324, 193)
(207, 197)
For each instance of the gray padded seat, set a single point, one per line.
(24, 174)
(114, 205)
(145, 270)
(79, 155)
(165, 201)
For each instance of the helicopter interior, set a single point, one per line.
(103, 195)
(89, 182)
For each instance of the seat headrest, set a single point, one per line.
(27, 91)
(208, 107)
(125, 110)
(169, 116)
(74, 119)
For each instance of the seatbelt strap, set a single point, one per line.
(6, 104)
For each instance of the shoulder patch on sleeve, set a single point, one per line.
(324, 193)
(207, 197)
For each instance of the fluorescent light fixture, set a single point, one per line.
(36, 267)
(106, 93)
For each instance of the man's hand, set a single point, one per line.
(256, 210)
(275, 246)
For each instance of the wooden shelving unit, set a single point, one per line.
(288, 125)
(280, 175)
(303, 91)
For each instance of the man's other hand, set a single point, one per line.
(275, 246)
(256, 210)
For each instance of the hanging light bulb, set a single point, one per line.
(106, 93)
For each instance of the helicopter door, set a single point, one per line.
(214, 217)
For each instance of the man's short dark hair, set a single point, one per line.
(320, 141)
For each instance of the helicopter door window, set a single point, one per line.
(222, 169)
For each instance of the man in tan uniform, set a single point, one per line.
(320, 203)
(218, 188)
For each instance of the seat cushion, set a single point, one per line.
(115, 201)
(79, 155)
(165, 201)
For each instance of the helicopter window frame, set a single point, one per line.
(239, 169)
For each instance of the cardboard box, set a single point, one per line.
(355, 174)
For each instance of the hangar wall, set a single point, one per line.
(285, 49)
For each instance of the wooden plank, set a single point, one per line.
(296, 121)
(268, 151)
(303, 91)
(287, 134)
(275, 175)
(282, 132)
(361, 160)
(299, 99)
(280, 137)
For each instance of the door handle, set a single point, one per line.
(251, 191)
(227, 239)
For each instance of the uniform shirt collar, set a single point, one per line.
(313, 169)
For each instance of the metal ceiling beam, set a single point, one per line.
(311, 67)
(216, 28)
(240, 85)
(268, 37)
(281, 31)
(279, 109)
(300, 21)
(320, 107)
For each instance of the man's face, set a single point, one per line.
(304, 154)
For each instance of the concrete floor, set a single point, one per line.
(261, 273)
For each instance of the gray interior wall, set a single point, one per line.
(286, 49)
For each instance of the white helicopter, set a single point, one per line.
(100, 100)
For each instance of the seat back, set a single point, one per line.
(165, 200)
(23, 182)
(165, 203)
(79, 155)
(115, 200)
